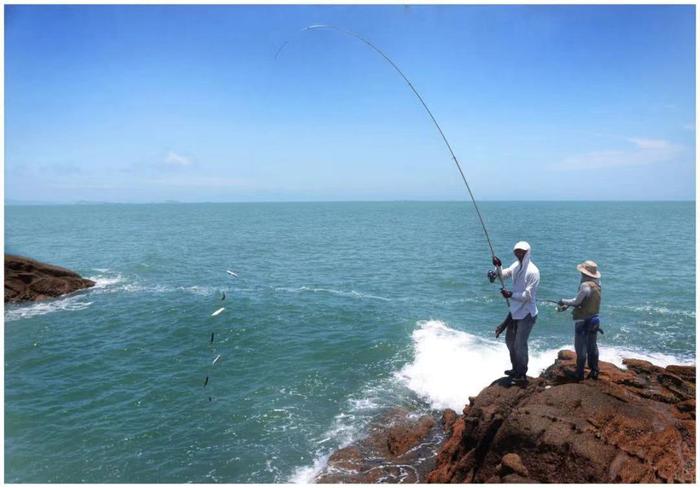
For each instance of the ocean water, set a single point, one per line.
(340, 311)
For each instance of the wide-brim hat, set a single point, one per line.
(589, 268)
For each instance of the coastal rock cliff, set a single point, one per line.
(30, 280)
(629, 426)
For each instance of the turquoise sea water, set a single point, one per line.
(340, 310)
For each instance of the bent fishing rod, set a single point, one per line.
(432, 117)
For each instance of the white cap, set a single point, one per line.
(521, 245)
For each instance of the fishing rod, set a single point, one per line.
(560, 307)
(432, 117)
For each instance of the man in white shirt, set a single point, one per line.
(523, 308)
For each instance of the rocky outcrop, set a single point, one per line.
(629, 426)
(30, 280)
(400, 448)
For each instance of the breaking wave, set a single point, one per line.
(450, 365)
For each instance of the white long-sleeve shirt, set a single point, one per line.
(525, 283)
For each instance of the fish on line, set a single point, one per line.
(218, 312)
(235, 275)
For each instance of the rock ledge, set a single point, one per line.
(629, 426)
(30, 280)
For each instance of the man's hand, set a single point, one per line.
(506, 293)
(500, 329)
(560, 302)
(496, 262)
(492, 276)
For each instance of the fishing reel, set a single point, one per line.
(492, 276)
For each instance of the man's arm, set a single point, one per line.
(532, 281)
(507, 272)
(583, 292)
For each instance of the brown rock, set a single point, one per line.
(30, 280)
(565, 355)
(516, 478)
(638, 365)
(399, 449)
(630, 426)
(685, 372)
(448, 419)
(511, 463)
(404, 436)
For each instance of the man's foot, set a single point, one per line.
(519, 381)
(593, 375)
(509, 372)
(573, 375)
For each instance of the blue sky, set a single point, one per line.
(154, 103)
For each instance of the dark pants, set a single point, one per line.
(517, 334)
(586, 344)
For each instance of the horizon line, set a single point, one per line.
(9, 203)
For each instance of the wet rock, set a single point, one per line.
(30, 280)
(400, 448)
(630, 426)
(404, 436)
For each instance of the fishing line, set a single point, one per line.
(425, 106)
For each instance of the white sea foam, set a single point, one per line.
(651, 309)
(332, 291)
(615, 355)
(450, 365)
(306, 474)
(347, 426)
(107, 285)
(71, 303)
(102, 282)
